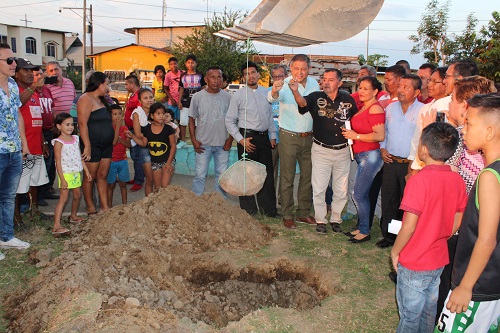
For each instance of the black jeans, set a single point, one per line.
(266, 197)
(393, 186)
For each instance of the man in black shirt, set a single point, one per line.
(330, 154)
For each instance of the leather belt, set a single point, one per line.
(399, 159)
(301, 134)
(252, 132)
(334, 147)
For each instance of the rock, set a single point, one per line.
(132, 302)
(167, 295)
(44, 255)
(113, 299)
(178, 279)
(178, 305)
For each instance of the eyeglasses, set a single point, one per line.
(10, 60)
(278, 77)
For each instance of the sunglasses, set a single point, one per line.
(10, 60)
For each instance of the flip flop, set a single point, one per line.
(92, 213)
(60, 232)
(77, 220)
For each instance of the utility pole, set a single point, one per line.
(91, 31)
(84, 37)
(163, 13)
(25, 20)
(367, 42)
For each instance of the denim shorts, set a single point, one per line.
(145, 156)
(118, 169)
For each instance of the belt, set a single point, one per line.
(252, 132)
(301, 134)
(399, 159)
(334, 147)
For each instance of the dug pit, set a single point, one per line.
(154, 264)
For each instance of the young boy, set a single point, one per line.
(433, 202)
(191, 82)
(473, 304)
(119, 164)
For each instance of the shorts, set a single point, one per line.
(74, 179)
(145, 155)
(479, 317)
(175, 110)
(159, 166)
(98, 152)
(118, 169)
(34, 173)
(184, 119)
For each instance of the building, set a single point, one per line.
(37, 45)
(119, 62)
(161, 37)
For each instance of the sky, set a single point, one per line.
(388, 35)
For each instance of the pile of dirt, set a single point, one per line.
(164, 261)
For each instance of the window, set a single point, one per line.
(50, 49)
(30, 45)
(13, 44)
(3, 39)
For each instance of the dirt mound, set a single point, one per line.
(165, 261)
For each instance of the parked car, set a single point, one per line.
(118, 93)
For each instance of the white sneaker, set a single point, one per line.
(2, 256)
(14, 243)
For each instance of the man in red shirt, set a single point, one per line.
(34, 171)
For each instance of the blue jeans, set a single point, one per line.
(136, 156)
(369, 164)
(11, 167)
(417, 295)
(221, 159)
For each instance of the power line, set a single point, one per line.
(141, 19)
(29, 4)
(157, 6)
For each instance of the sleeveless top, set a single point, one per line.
(100, 126)
(71, 159)
(362, 123)
(487, 287)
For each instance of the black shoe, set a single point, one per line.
(393, 276)
(336, 227)
(48, 196)
(42, 202)
(362, 240)
(321, 228)
(348, 234)
(384, 243)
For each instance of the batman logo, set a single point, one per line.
(157, 148)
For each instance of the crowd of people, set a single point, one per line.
(426, 150)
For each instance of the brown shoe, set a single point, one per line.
(289, 224)
(306, 220)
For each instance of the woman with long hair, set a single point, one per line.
(96, 138)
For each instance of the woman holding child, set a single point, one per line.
(368, 129)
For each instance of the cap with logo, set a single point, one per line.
(25, 64)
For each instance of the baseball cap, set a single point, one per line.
(25, 64)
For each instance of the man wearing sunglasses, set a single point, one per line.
(13, 146)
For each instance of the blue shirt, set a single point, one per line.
(10, 138)
(290, 119)
(399, 128)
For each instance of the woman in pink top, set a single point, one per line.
(368, 129)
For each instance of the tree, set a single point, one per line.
(211, 50)
(431, 37)
(376, 60)
(465, 46)
(489, 49)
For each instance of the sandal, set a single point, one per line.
(60, 232)
(76, 220)
(92, 213)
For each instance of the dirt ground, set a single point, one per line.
(171, 262)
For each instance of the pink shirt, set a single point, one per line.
(171, 83)
(62, 96)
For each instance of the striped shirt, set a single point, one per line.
(62, 96)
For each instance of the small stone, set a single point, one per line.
(178, 305)
(132, 302)
(44, 255)
(178, 279)
(113, 299)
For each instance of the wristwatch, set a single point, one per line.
(358, 137)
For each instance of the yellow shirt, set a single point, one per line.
(158, 87)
